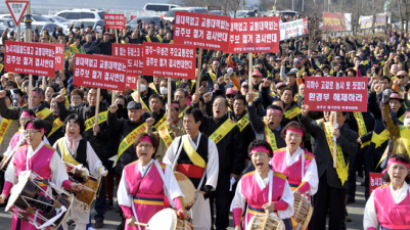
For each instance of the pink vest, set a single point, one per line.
(38, 163)
(292, 172)
(148, 192)
(389, 214)
(255, 197)
(15, 139)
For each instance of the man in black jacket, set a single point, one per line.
(332, 186)
(226, 135)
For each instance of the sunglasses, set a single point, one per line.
(230, 95)
(401, 76)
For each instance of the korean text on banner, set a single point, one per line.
(366, 22)
(254, 35)
(376, 180)
(169, 60)
(30, 58)
(336, 94)
(293, 29)
(335, 22)
(100, 71)
(133, 53)
(59, 56)
(205, 31)
(114, 21)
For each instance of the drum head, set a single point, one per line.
(17, 189)
(165, 219)
(67, 201)
(187, 189)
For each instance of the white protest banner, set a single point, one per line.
(293, 29)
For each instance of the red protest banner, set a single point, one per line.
(114, 21)
(334, 22)
(201, 30)
(100, 71)
(59, 56)
(30, 58)
(336, 93)
(133, 54)
(254, 35)
(169, 60)
(376, 180)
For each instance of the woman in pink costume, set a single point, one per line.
(388, 206)
(262, 190)
(146, 186)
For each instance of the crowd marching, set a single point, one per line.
(248, 148)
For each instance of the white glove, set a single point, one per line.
(103, 172)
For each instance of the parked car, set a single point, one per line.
(147, 19)
(169, 16)
(74, 15)
(60, 21)
(97, 26)
(158, 8)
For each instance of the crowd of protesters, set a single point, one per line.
(225, 93)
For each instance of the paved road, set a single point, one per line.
(113, 219)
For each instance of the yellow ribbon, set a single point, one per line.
(4, 126)
(293, 112)
(65, 153)
(57, 124)
(44, 113)
(342, 168)
(243, 122)
(129, 140)
(222, 130)
(145, 108)
(192, 154)
(162, 128)
(102, 117)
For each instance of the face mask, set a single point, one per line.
(143, 87)
(406, 122)
(163, 90)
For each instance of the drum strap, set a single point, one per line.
(270, 175)
(132, 205)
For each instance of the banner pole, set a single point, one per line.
(97, 106)
(250, 60)
(198, 72)
(114, 92)
(169, 98)
(138, 89)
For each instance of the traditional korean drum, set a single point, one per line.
(167, 219)
(90, 189)
(41, 208)
(303, 213)
(187, 189)
(265, 222)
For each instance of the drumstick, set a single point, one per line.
(137, 223)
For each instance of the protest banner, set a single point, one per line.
(336, 94)
(59, 56)
(30, 58)
(336, 22)
(293, 29)
(375, 181)
(381, 19)
(366, 22)
(201, 30)
(254, 35)
(133, 53)
(100, 71)
(169, 60)
(114, 21)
